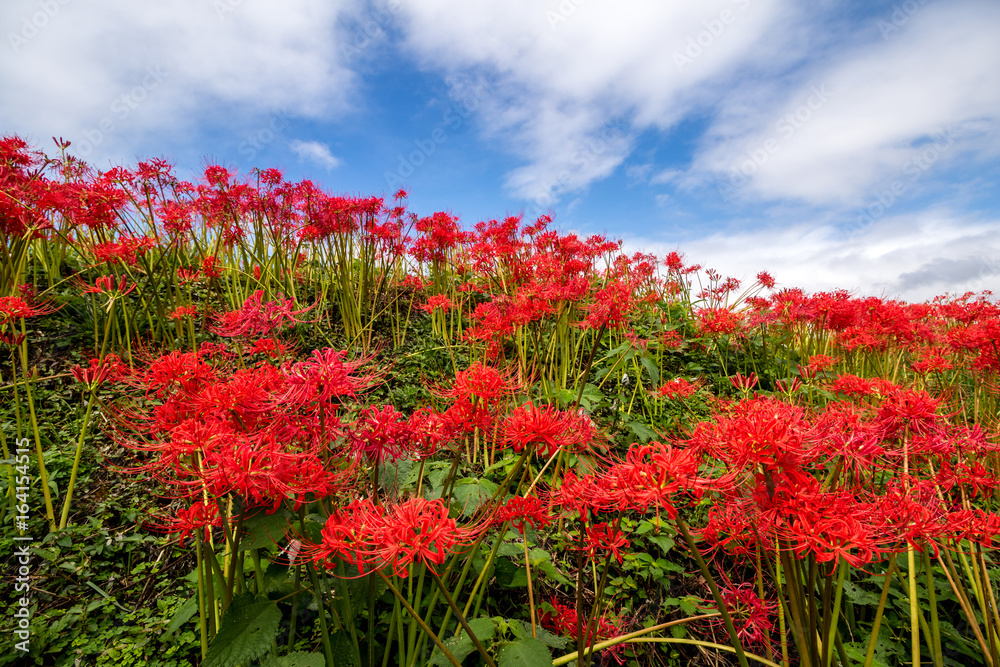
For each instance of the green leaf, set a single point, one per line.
(248, 628)
(858, 595)
(526, 652)
(650, 366)
(182, 616)
(461, 645)
(264, 530)
(641, 431)
(471, 493)
(297, 659)
(665, 542)
(591, 397)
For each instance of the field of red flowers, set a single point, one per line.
(247, 422)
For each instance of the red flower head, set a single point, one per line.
(547, 428)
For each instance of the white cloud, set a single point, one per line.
(566, 71)
(576, 80)
(314, 151)
(111, 75)
(911, 257)
(857, 123)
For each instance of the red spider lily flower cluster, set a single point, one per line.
(563, 620)
(372, 537)
(255, 318)
(678, 388)
(524, 511)
(109, 286)
(549, 429)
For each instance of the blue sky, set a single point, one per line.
(834, 144)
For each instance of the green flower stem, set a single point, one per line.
(461, 619)
(730, 628)
(964, 603)
(64, 517)
(834, 614)
(202, 616)
(321, 608)
(914, 606)
(42, 472)
(876, 624)
(416, 617)
(935, 638)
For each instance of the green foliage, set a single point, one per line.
(248, 629)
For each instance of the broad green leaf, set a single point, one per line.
(461, 645)
(248, 628)
(858, 595)
(525, 652)
(297, 659)
(650, 366)
(182, 616)
(471, 493)
(665, 542)
(265, 530)
(642, 431)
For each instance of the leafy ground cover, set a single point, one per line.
(247, 422)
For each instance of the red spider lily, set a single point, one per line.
(97, 372)
(750, 614)
(269, 347)
(817, 364)
(654, 474)
(373, 536)
(429, 432)
(263, 472)
(107, 285)
(437, 302)
(852, 385)
(127, 251)
(758, 432)
(585, 496)
(197, 517)
(611, 307)
(380, 435)
(671, 339)
(547, 428)
(788, 386)
(186, 275)
(480, 383)
(678, 388)
(719, 321)
(325, 375)
(605, 537)
(523, 511)
(765, 279)
(13, 308)
(210, 267)
(180, 312)
(563, 620)
(744, 383)
(255, 318)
